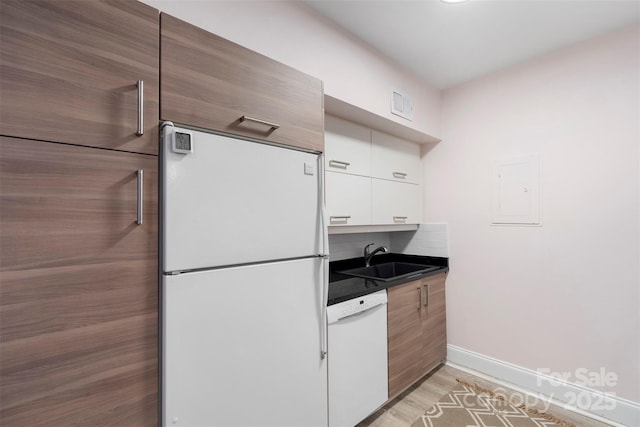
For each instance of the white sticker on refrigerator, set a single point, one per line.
(309, 168)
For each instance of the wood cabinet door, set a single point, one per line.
(211, 83)
(404, 336)
(78, 288)
(70, 71)
(434, 321)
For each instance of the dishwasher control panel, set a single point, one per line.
(354, 306)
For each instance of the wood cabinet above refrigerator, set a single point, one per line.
(70, 73)
(211, 83)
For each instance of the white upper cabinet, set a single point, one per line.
(394, 159)
(372, 179)
(394, 202)
(348, 199)
(347, 147)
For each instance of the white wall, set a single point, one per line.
(293, 33)
(565, 295)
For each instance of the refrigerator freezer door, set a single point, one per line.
(229, 201)
(242, 346)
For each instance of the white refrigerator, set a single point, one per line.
(244, 283)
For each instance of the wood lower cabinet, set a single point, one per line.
(70, 70)
(405, 345)
(433, 321)
(212, 83)
(417, 336)
(78, 286)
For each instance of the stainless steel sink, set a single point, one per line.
(390, 271)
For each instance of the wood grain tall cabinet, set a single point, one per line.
(78, 213)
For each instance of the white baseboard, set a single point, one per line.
(574, 397)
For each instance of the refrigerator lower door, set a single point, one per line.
(231, 201)
(242, 346)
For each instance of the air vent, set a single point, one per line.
(401, 104)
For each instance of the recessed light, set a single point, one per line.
(453, 1)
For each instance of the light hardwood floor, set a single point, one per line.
(405, 409)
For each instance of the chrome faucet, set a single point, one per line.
(368, 255)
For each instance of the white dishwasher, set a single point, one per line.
(357, 362)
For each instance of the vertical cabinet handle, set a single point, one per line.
(140, 174)
(419, 298)
(140, 108)
(426, 295)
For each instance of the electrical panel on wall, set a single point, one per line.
(401, 104)
(516, 191)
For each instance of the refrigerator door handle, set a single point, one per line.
(324, 229)
(323, 308)
(324, 254)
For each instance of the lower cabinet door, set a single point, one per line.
(434, 321)
(405, 343)
(79, 293)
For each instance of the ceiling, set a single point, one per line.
(448, 44)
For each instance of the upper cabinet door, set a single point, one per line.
(78, 83)
(395, 202)
(212, 83)
(394, 159)
(347, 147)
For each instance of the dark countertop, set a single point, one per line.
(343, 288)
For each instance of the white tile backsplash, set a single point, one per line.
(428, 240)
(344, 246)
